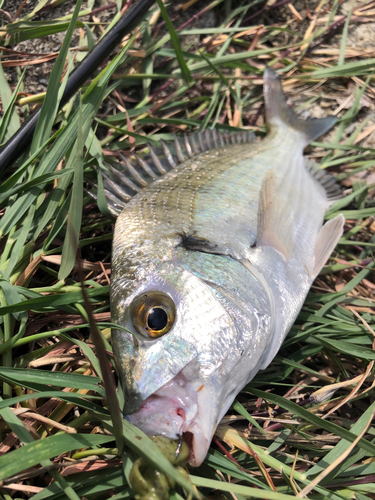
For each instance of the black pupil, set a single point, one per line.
(157, 319)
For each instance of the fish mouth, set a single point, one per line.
(179, 408)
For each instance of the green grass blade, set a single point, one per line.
(344, 37)
(42, 179)
(102, 201)
(70, 397)
(6, 98)
(238, 489)
(12, 296)
(57, 379)
(347, 348)
(38, 451)
(10, 120)
(54, 301)
(22, 31)
(314, 419)
(176, 44)
(56, 209)
(90, 104)
(51, 104)
(75, 211)
(25, 437)
(21, 240)
(242, 411)
(339, 449)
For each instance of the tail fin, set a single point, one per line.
(278, 113)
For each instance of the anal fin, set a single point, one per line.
(328, 238)
(326, 180)
(275, 225)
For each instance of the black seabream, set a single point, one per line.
(216, 245)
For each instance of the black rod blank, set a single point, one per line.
(17, 144)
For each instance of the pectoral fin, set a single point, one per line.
(275, 224)
(328, 238)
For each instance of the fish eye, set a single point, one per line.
(153, 314)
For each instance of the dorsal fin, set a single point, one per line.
(279, 114)
(122, 180)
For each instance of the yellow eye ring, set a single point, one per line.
(153, 314)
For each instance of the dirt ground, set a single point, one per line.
(36, 78)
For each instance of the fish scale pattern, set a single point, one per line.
(123, 180)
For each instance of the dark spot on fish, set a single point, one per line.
(195, 243)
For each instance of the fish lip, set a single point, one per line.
(189, 439)
(180, 407)
(191, 430)
(198, 446)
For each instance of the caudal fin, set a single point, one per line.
(278, 113)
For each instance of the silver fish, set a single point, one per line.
(212, 260)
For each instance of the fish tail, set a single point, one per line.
(279, 114)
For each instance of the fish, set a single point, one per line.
(217, 241)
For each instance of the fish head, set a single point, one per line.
(193, 334)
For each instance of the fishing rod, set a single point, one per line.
(16, 145)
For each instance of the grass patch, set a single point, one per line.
(304, 425)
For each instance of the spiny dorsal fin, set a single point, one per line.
(123, 180)
(328, 238)
(279, 114)
(275, 228)
(326, 180)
